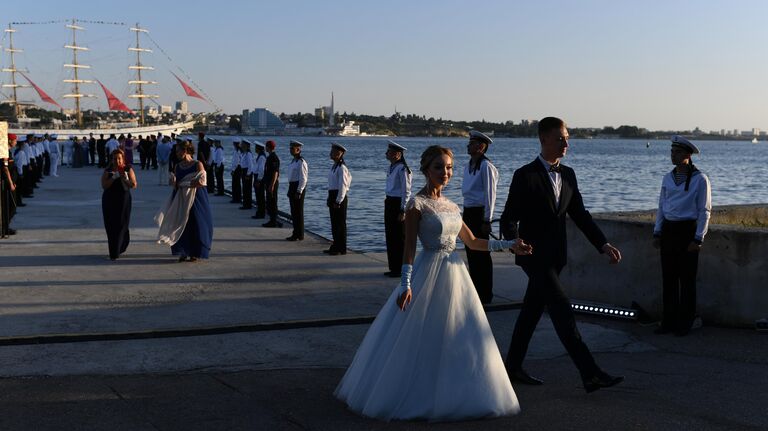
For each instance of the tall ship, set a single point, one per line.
(80, 77)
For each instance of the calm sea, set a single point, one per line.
(614, 175)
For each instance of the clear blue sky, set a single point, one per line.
(675, 64)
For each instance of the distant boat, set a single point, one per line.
(136, 127)
(647, 145)
(754, 140)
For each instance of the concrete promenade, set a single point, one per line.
(257, 337)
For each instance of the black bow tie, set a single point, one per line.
(555, 168)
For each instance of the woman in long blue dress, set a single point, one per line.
(195, 241)
(430, 354)
(117, 181)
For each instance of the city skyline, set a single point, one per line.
(661, 66)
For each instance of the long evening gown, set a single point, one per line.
(438, 360)
(116, 209)
(196, 239)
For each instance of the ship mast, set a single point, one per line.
(139, 82)
(75, 66)
(12, 70)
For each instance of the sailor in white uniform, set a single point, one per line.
(246, 177)
(217, 158)
(479, 191)
(339, 180)
(259, 164)
(235, 168)
(398, 192)
(55, 152)
(298, 175)
(682, 221)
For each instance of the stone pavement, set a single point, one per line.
(258, 336)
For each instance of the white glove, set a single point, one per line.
(500, 244)
(405, 277)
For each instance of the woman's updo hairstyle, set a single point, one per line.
(430, 154)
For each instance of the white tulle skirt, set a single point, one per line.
(437, 360)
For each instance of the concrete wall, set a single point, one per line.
(732, 282)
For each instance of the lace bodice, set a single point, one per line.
(440, 222)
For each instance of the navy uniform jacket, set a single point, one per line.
(531, 214)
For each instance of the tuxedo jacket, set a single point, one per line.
(532, 215)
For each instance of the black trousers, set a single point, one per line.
(258, 189)
(246, 189)
(297, 209)
(102, 150)
(479, 263)
(210, 175)
(545, 291)
(271, 199)
(237, 194)
(91, 154)
(394, 231)
(46, 164)
(219, 174)
(678, 271)
(338, 221)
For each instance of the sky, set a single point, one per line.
(662, 65)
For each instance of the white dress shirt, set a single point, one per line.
(260, 161)
(479, 188)
(555, 178)
(339, 179)
(298, 171)
(235, 160)
(218, 156)
(399, 183)
(246, 162)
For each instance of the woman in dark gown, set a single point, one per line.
(117, 181)
(195, 241)
(77, 153)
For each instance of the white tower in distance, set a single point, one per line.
(331, 122)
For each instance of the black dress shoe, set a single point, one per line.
(329, 251)
(601, 380)
(293, 238)
(337, 252)
(392, 274)
(521, 376)
(11, 231)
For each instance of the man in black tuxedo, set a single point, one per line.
(541, 194)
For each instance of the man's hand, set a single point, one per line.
(693, 247)
(613, 253)
(401, 216)
(521, 248)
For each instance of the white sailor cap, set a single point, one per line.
(72, 136)
(21, 138)
(257, 144)
(339, 146)
(476, 135)
(395, 146)
(54, 136)
(246, 142)
(38, 135)
(296, 144)
(679, 141)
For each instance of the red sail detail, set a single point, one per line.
(114, 103)
(45, 97)
(190, 92)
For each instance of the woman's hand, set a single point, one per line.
(404, 299)
(521, 248)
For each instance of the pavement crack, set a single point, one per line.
(224, 383)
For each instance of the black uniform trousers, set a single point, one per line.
(246, 189)
(46, 164)
(297, 209)
(219, 174)
(209, 173)
(394, 230)
(237, 194)
(545, 291)
(678, 271)
(271, 199)
(479, 262)
(258, 189)
(338, 221)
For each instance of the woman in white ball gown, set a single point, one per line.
(430, 353)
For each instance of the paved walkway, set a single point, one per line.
(258, 336)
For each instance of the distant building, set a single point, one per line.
(320, 113)
(261, 120)
(349, 128)
(166, 109)
(182, 107)
(151, 111)
(755, 132)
